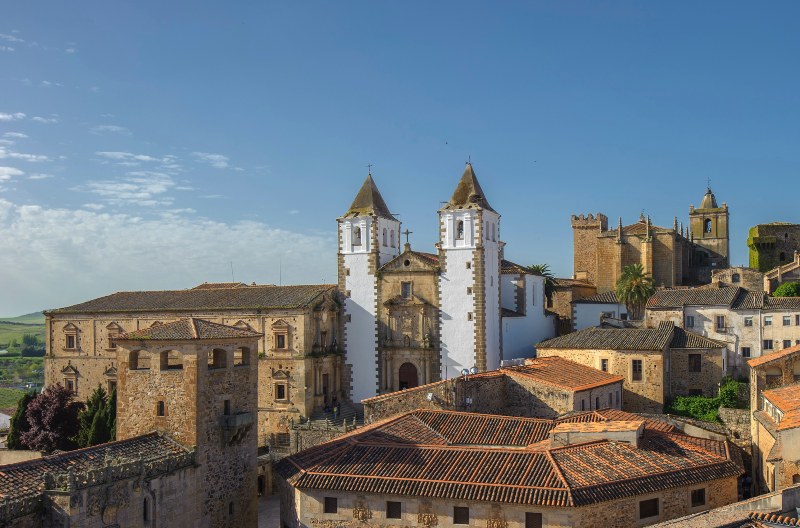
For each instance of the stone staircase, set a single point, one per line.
(347, 413)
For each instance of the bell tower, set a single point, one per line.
(708, 226)
(369, 236)
(469, 284)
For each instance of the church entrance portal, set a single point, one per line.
(408, 376)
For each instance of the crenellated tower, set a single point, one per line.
(469, 284)
(369, 236)
(585, 230)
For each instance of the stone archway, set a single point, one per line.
(409, 378)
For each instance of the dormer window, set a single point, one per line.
(357, 236)
(460, 230)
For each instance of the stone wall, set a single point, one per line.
(683, 381)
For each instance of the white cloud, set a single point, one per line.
(11, 117)
(215, 160)
(94, 206)
(110, 129)
(47, 262)
(10, 38)
(126, 156)
(6, 48)
(48, 84)
(9, 154)
(40, 119)
(6, 173)
(137, 188)
(39, 176)
(17, 135)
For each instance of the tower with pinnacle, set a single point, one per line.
(708, 226)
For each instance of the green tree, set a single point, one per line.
(787, 289)
(549, 279)
(19, 422)
(634, 288)
(111, 415)
(88, 417)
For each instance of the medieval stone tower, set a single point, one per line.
(708, 225)
(369, 236)
(469, 284)
(196, 382)
(585, 230)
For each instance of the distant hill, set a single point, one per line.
(13, 328)
(31, 318)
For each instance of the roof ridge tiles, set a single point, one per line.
(557, 470)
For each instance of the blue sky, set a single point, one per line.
(147, 145)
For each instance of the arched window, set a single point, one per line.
(460, 230)
(241, 356)
(736, 277)
(707, 226)
(171, 360)
(384, 236)
(217, 359)
(357, 236)
(138, 360)
(408, 376)
(391, 238)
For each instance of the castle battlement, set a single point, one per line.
(593, 221)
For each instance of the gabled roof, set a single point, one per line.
(249, 297)
(511, 268)
(502, 459)
(631, 339)
(563, 373)
(369, 201)
(769, 358)
(711, 296)
(468, 193)
(188, 329)
(684, 339)
(429, 261)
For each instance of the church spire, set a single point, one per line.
(468, 193)
(619, 230)
(369, 201)
(709, 200)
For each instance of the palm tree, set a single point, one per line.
(634, 287)
(549, 279)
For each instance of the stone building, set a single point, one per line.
(565, 293)
(444, 468)
(301, 367)
(412, 317)
(749, 323)
(672, 256)
(656, 363)
(789, 272)
(775, 422)
(747, 278)
(772, 245)
(186, 454)
(541, 388)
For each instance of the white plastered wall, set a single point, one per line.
(520, 334)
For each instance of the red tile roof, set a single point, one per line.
(563, 373)
(465, 456)
(787, 400)
(769, 358)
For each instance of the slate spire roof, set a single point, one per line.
(369, 201)
(468, 193)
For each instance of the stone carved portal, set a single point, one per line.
(409, 377)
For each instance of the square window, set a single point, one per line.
(604, 365)
(768, 344)
(460, 515)
(394, 510)
(636, 370)
(469, 265)
(331, 505)
(787, 343)
(280, 392)
(533, 520)
(695, 363)
(746, 352)
(787, 320)
(469, 290)
(748, 321)
(648, 508)
(767, 320)
(698, 497)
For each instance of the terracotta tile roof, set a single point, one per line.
(768, 519)
(684, 339)
(26, 479)
(769, 358)
(563, 373)
(572, 282)
(191, 328)
(787, 400)
(631, 339)
(468, 193)
(510, 268)
(369, 201)
(694, 297)
(502, 459)
(609, 297)
(250, 297)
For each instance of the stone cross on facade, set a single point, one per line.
(406, 233)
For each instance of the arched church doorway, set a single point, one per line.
(408, 376)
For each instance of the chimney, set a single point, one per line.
(567, 434)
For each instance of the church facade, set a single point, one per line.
(412, 317)
(674, 256)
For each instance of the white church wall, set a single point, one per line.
(520, 334)
(587, 315)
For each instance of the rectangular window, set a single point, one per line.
(689, 321)
(70, 341)
(70, 385)
(280, 341)
(787, 343)
(604, 365)
(797, 320)
(767, 320)
(161, 408)
(720, 322)
(748, 321)
(695, 363)
(617, 397)
(112, 341)
(746, 352)
(394, 510)
(460, 515)
(280, 392)
(636, 370)
(405, 289)
(787, 320)
(768, 344)
(469, 265)
(469, 290)
(533, 520)
(583, 405)
(331, 505)
(648, 508)
(698, 497)
(469, 316)
(226, 407)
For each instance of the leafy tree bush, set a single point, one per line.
(53, 419)
(86, 418)
(634, 288)
(787, 289)
(549, 278)
(704, 408)
(111, 415)
(19, 422)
